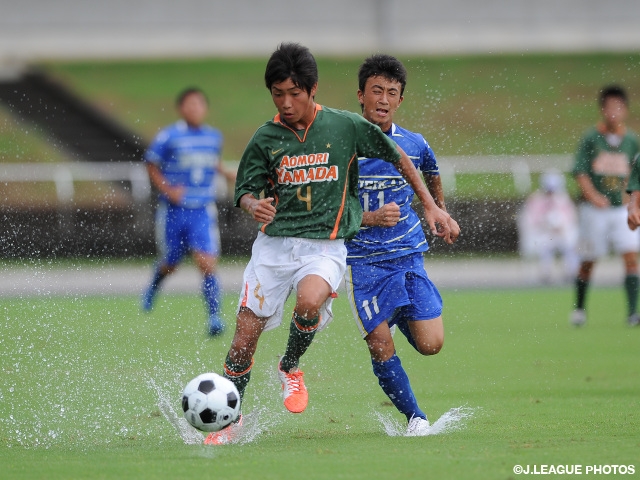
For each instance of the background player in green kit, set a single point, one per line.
(633, 212)
(298, 178)
(603, 163)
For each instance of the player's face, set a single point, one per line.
(380, 100)
(614, 112)
(295, 106)
(194, 109)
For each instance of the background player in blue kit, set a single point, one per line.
(183, 161)
(386, 280)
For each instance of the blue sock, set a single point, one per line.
(211, 292)
(395, 383)
(149, 294)
(157, 278)
(404, 328)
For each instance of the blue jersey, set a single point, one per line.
(381, 183)
(189, 157)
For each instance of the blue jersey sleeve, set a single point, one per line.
(156, 151)
(428, 164)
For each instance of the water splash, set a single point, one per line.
(189, 435)
(448, 422)
(391, 426)
(254, 423)
(451, 420)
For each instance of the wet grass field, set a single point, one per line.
(91, 388)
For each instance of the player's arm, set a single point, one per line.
(589, 192)
(172, 192)
(434, 185)
(262, 210)
(633, 217)
(439, 220)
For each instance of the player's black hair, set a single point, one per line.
(188, 91)
(384, 65)
(612, 91)
(294, 61)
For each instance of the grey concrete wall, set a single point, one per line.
(44, 29)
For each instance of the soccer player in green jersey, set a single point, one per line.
(603, 163)
(298, 178)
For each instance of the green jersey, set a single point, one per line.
(312, 174)
(607, 160)
(634, 177)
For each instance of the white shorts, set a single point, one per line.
(277, 265)
(605, 228)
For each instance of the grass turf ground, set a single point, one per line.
(85, 382)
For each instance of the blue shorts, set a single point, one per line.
(396, 290)
(181, 230)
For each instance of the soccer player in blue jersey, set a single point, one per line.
(386, 281)
(183, 161)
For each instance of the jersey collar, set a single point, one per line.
(602, 128)
(278, 120)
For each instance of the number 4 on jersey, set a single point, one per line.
(307, 198)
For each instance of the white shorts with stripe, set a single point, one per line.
(277, 265)
(602, 229)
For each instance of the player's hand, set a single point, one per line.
(633, 219)
(440, 223)
(262, 210)
(454, 231)
(388, 215)
(633, 211)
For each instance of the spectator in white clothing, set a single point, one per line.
(548, 228)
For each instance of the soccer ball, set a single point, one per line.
(210, 402)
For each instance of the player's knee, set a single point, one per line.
(308, 308)
(429, 349)
(430, 346)
(313, 292)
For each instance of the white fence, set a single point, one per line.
(520, 167)
(64, 174)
